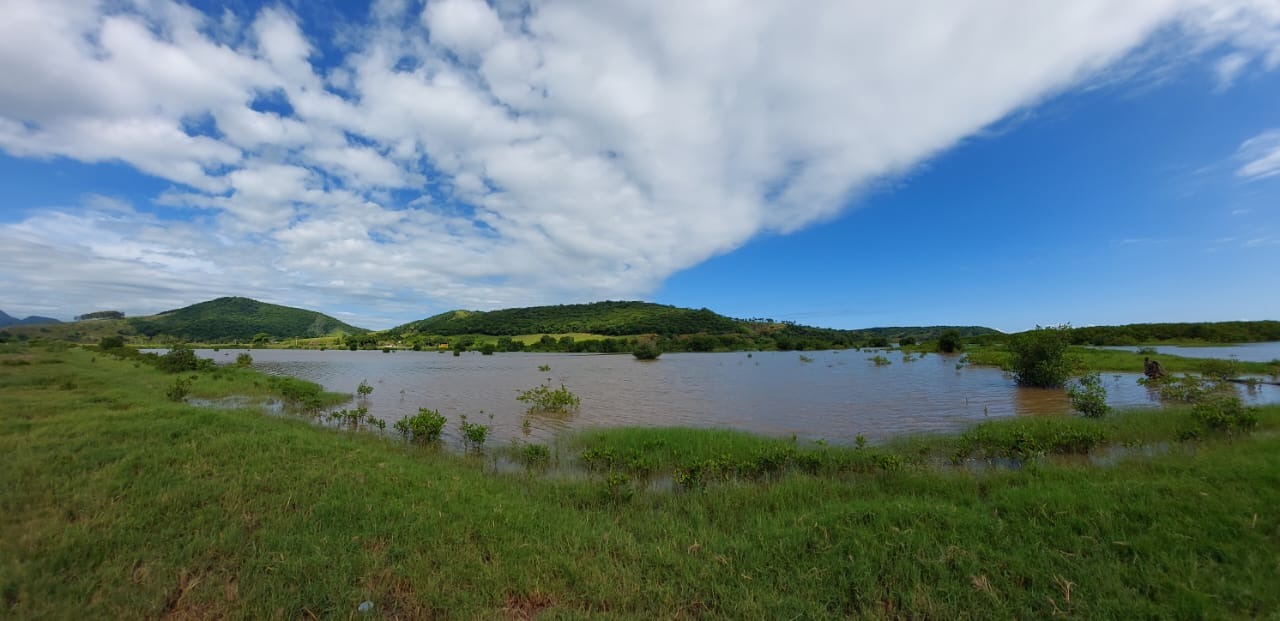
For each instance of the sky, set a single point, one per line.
(1007, 163)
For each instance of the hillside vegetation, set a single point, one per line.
(605, 318)
(239, 319)
(617, 326)
(1216, 332)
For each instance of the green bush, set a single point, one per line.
(179, 390)
(424, 427)
(535, 456)
(1089, 397)
(473, 434)
(181, 359)
(244, 360)
(1220, 369)
(1039, 357)
(544, 399)
(1224, 413)
(646, 351)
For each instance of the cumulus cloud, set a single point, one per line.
(480, 154)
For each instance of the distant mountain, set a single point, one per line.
(605, 318)
(9, 320)
(240, 319)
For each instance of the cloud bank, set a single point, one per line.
(463, 153)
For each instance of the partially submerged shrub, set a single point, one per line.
(544, 399)
(1089, 397)
(1039, 357)
(244, 359)
(424, 427)
(473, 434)
(880, 361)
(1220, 370)
(535, 456)
(646, 351)
(364, 389)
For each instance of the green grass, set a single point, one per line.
(120, 504)
(1089, 358)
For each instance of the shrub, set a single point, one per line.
(179, 390)
(424, 427)
(1224, 413)
(544, 399)
(473, 434)
(180, 359)
(364, 389)
(244, 359)
(1089, 397)
(880, 361)
(535, 456)
(1220, 369)
(646, 351)
(1039, 357)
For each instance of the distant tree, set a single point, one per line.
(111, 342)
(108, 314)
(949, 342)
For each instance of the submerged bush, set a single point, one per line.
(535, 456)
(473, 434)
(1089, 397)
(424, 427)
(1040, 357)
(244, 359)
(646, 351)
(544, 399)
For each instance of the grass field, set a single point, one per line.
(1113, 360)
(120, 503)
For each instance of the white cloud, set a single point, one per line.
(1261, 155)
(485, 154)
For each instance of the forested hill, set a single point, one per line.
(1138, 333)
(680, 328)
(240, 319)
(606, 318)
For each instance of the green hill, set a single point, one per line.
(604, 318)
(239, 319)
(614, 326)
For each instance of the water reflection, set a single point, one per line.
(836, 396)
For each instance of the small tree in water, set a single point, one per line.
(1040, 357)
(1090, 397)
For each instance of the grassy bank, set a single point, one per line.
(122, 504)
(1122, 361)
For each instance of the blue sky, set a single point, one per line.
(977, 162)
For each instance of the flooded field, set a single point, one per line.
(831, 395)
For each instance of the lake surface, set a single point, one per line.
(836, 397)
(1245, 352)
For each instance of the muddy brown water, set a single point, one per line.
(836, 397)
